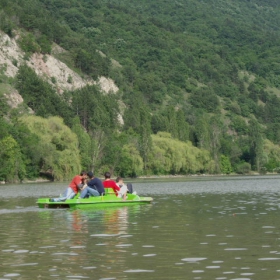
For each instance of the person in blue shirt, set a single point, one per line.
(94, 187)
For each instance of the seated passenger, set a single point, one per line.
(121, 184)
(94, 187)
(108, 183)
(76, 184)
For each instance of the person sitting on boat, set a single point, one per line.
(108, 183)
(77, 183)
(128, 187)
(94, 187)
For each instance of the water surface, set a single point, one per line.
(198, 228)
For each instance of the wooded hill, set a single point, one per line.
(199, 88)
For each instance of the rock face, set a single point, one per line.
(10, 55)
(54, 70)
(13, 98)
(47, 66)
(107, 85)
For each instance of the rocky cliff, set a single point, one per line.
(46, 66)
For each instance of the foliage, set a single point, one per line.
(176, 157)
(272, 156)
(199, 71)
(205, 99)
(28, 44)
(94, 109)
(225, 165)
(84, 146)
(243, 168)
(40, 96)
(256, 143)
(58, 150)
(12, 168)
(130, 163)
(29, 144)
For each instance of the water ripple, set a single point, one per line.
(193, 259)
(25, 264)
(149, 255)
(268, 259)
(235, 249)
(138, 270)
(103, 235)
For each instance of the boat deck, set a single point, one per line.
(91, 202)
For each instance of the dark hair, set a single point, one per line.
(118, 179)
(107, 175)
(83, 173)
(90, 174)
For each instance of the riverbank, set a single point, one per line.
(162, 177)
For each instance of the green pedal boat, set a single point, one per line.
(94, 201)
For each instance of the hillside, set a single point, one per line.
(145, 87)
(46, 66)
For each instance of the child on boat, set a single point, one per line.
(128, 187)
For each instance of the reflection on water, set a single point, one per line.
(223, 229)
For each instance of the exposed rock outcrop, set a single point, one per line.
(47, 66)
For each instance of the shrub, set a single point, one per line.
(243, 168)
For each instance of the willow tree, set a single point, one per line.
(12, 167)
(131, 163)
(271, 156)
(58, 149)
(172, 156)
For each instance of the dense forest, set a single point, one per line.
(199, 88)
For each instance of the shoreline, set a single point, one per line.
(147, 177)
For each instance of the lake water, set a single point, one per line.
(196, 228)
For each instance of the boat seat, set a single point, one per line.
(109, 191)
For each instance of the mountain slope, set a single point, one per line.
(202, 71)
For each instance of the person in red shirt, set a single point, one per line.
(108, 183)
(76, 184)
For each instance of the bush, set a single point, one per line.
(243, 168)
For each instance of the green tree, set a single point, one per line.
(94, 109)
(97, 150)
(205, 99)
(256, 143)
(171, 156)
(30, 148)
(59, 153)
(130, 162)
(4, 128)
(183, 126)
(84, 144)
(12, 167)
(271, 156)
(216, 132)
(40, 96)
(138, 118)
(202, 132)
(172, 125)
(225, 165)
